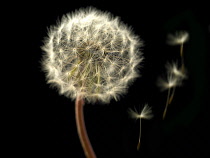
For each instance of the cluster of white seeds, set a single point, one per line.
(92, 54)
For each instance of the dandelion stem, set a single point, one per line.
(81, 129)
(167, 102)
(181, 49)
(172, 95)
(182, 56)
(138, 145)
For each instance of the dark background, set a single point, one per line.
(45, 125)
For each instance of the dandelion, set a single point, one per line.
(179, 38)
(175, 75)
(91, 55)
(167, 84)
(146, 113)
(178, 74)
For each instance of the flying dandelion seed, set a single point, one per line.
(146, 113)
(175, 75)
(91, 55)
(179, 74)
(172, 81)
(168, 83)
(180, 37)
(176, 71)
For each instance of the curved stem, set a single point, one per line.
(81, 129)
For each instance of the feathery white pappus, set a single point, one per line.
(178, 38)
(93, 54)
(176, 71)
(175, 77)
(146, 113)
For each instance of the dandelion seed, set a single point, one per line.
(178, 73)
(167, 84)
(175, 75)
(172, 68)
(175, 78)
(178, 38)
(146, 113)
(170, 82)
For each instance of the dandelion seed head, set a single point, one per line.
(93, 54)
(178, 38)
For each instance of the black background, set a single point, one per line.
(44, 122)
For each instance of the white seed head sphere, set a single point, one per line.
(92, 54)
